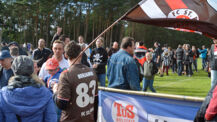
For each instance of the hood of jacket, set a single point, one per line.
(25, 101)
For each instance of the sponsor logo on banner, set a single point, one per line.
(124, 112)
(183, 14)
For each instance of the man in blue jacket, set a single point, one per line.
(203, 54)
(122, 70)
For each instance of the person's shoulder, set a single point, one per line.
(129, 59)
(64, 61)
(43, 67)
(64, 73)
(104, 50)
(94, 50)
(36, 50)
(47, 49)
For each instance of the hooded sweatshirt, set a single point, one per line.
(27, 104)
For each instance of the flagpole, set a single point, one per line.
(101, 34)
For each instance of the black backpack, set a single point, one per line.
(155, 69)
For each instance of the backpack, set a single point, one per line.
(155, 69)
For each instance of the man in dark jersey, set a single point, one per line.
(76, 90)
(41, 53)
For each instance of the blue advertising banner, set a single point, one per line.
(116, 107)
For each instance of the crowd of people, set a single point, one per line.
(58, 84)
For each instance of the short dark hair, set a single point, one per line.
(72, 50)
(141, 43)
(63, 37)
(157, 43)
(14, 51)
(126, 42)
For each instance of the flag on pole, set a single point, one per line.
(197, 15)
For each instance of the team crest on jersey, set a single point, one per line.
(183, 14)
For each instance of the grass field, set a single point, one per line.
(198, 85)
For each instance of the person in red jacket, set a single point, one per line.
(140, 52)
(211, 111)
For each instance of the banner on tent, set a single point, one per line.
(116, 107)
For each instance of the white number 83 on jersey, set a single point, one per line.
(83, 98)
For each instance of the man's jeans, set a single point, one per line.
(101, 78)
(213, 77)
(204, 63)
(179, 63)
(195, 64)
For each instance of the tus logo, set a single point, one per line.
(124, 112)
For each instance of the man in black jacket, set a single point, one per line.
(98, 58)
(157, 57)
(41, 53)
(56, 35)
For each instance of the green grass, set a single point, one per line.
(198, 85)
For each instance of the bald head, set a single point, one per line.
(41, 43)
(115, 45)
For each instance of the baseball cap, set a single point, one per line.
(13, 43)
(4, 54)
(52, 63)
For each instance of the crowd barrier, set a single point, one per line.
(116, 105)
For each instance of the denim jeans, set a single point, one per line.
(147, 83)
(195, 64)
(204, 63)
(189, 69)
(174, 67)
(101, 78)
(213, 77)
(179, 63)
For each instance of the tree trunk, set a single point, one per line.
(111, 38)
(74, 29)
(93, 30)
(86, 24)
(48, 29)
(122, 31)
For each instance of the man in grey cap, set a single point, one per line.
(5, 68)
